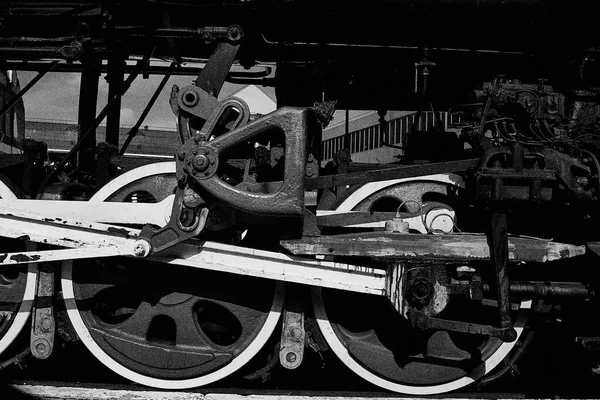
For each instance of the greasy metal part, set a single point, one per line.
(185, 223)
(134, 130)
(510, 364)
(293, 335)
(264, 374)
(18, 96)
(404, 171)
(499, 257)
(418, 287)
(531, 174)
(18, 360)
(547, 289)
(43, 326)
(218, 112)
(289, 199)
(215, 71)
(436, 247)
(194, 104)
(422, 321)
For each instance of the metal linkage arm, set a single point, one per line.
(85, 239)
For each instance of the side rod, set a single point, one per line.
(91, 240)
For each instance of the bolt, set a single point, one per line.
(234, 33)
(197, 138)
(290, 357)
(181, 155)
(509, 335)
(46, 323)
(201, 163)
(141, 248)
(295, 333)
(191, 199)
(41, 348)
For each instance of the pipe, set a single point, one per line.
(16, 360)
(573, 290)
(265, 371)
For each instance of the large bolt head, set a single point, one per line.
(290, 357)
(190, 98)
(201, 162)
(41, 348)
(46, 323)
(141, 248)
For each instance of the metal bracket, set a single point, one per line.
(289, 200)
(43, 326)
(185, 223)
(293, 335)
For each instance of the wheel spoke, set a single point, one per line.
(167, 327)
(138, 323)
(380, 345)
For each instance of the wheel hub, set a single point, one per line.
(172, 327)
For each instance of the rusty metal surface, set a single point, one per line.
(290, 197)
(293, 335)
(499, 257)
(43, 326)
(422, 321)
(449, 246)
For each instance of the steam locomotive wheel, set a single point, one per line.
(166, 327)
(378, 344)
(17, 287)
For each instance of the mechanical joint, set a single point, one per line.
(142, 248)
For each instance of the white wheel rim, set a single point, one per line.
(85, 336)
(28, 295)
(369, 188)
(338, 348)
(342, 353)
